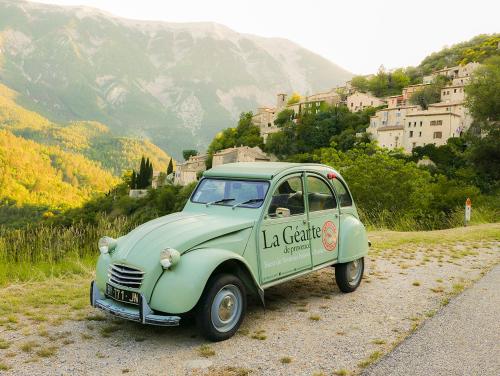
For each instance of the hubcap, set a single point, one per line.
(355, 268)
(226, 308)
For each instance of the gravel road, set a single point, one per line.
(309, 326)
(462, 339)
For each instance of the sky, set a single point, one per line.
(358, 35)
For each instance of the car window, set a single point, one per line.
(319, 196)
(342, 193)
(287, 199)
(230, 192)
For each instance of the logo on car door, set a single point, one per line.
(329, 236)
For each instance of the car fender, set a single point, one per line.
(353, 242)
(179, 289)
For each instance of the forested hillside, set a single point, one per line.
(35, 177)
(91, 139)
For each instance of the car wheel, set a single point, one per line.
(222, 307)
(348, 275)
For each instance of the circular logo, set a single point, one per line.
(329, 236)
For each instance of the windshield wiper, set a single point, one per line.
(220, 201)
(251, 201)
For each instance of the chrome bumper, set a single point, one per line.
(142, 313)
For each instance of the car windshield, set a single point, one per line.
(238, 193)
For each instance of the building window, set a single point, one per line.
(419, 134)
(421, 123)
(411, 134)
(436, 122)
(409, 124)
(454, 90)
(414, 144)
(438, 135)
(415, 124)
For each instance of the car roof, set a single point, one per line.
(260, 170)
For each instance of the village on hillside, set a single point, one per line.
(396, 124)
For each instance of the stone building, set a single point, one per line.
(239, 154)
(188, 171)
(462, 72)
(316, 102)
(264, 119)
(358, 101)
(405, 126)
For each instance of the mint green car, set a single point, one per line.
(247, 227)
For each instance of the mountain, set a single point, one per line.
(91, 139)
(175, 83)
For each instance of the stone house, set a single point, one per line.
(410, 126)
(264, 119)
(188, 171)
(430, 127)
(460, 71)
(358, 101)
(315, 102)
(239, 154)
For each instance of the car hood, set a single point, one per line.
(182, 231)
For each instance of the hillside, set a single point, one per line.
(91, 139)
(45, 176)
(177, 84)
(476, 49)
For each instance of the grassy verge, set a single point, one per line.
(40, 252)
(389, 239)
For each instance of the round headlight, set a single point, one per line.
(169, 257)
(106, 244)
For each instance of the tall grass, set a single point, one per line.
(36, 252)
(386, 220)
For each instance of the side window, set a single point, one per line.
(287, 199)
(342, 193)
(319, 196)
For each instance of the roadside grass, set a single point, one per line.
(51, 301)
(395, 239)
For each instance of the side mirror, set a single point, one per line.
(282, 212)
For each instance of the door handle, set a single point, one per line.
(336, 215)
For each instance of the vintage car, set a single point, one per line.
(246, 227)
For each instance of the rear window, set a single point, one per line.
(342, 193)
(226, 192)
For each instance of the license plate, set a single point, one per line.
(124, 296)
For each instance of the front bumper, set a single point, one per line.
(143, 313)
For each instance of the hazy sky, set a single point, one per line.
(359, 35)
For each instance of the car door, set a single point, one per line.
(284, 240)
(323, 220)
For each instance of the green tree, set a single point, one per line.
(245, 134)
(189, 153)
(430, 93)
(360, 83)
(483, 92)
(170, 167)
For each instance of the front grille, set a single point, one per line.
(125, 276)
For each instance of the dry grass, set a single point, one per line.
(47, 352)
(286, 360)
(206, 351)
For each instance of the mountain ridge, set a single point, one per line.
(176, 83)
